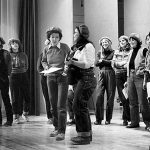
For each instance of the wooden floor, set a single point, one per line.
(34, 135)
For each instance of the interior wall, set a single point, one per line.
(54, 13)
(102, 19)
(136, 17)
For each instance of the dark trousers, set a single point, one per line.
(19, 86)
(4, 87)
(137, 99)
(58, 90)
(106, 82)
(46, 96)
(70, 104)
(83, 91)
(121, 78)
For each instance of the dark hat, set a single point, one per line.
(2, 40)
(54, 30)
(83, 30)
(136, 37)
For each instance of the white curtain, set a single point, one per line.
(9, 20)
(9, 25)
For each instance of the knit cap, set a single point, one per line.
(83, 30)
(105, 37)
(124, 37)
(136, 37)
(2, 40)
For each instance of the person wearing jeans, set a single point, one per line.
(54, 55)
(83, 60)
(137, 94)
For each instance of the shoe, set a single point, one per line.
(125, 123)
(97, 122)
(71, 122)
(148, 129)
(133, 126)
(8, 123)
(107, 122)
(25, 117)
(17, 121)
(60, 137)
(50, 121)
(80, 140)
(54, 133)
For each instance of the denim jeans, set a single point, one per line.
(106, 82)
(83, 91)
(121, 78)
(46, 96)
(137, 99)
(58, 90)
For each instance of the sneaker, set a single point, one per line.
(50, 121)
(25, 117)
(54, 133)
(60, 137)
(8, 123)
(17, 121)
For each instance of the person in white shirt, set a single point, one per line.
(83, 60)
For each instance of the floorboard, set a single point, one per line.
(34, 135)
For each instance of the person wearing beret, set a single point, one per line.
(106, 81)
(119, 62)
(135, 72)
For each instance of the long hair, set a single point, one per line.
(20, 49)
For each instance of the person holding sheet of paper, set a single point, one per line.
(119, 62)
(54, 56)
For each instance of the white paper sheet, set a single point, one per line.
(148, 89)
(50, 70)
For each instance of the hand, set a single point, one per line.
(100, 60)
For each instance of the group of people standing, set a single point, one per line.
(14, 65)
(127, 67)
(74, 81)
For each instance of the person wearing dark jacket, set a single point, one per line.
(43, 80)
(19, 83)
(106, 81)
(137, 94)
(5, 71)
